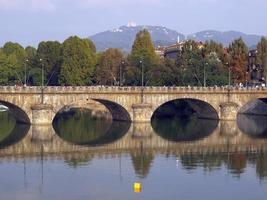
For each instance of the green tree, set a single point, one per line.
(191, 65)
(238, 60)
(50, 53)
(30, 63)
(30, 52)
(216, 70)
(262, 54)
(5, 69)
(142, 50)
(78, 62)
(14, 62)
(108, 69)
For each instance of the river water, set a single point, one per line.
(81, 157)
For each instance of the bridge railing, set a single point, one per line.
(62, 89)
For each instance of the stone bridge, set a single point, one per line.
(37, 105)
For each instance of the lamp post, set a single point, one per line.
(142, 81)
(205, 75)
(142, 70)
(229, 74)
(42, 72)
(25, 72)
(204, 67)
(121, 65)
(42, 89)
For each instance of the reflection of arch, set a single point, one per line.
(255, 107)
(115, 132)
(19, 114)
(79, 128)
(17, 134)
(253, 125)
(202, 109)
(118, 112)
(180, 130)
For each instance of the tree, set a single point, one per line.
(4, 68)
(163, 74)
(191, 65)
(262, 53)
(214, 61)
(108, 69)
(78, 62)
(50, 53)
(14, 62)
(238, 60)
(142, 50)
(30, 52)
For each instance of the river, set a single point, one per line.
(178, 157)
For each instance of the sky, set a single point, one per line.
(31, 21)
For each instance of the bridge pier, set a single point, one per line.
(228, 111)
(42, 114)
(44, 133)
(142, 112)
(142, 130)
(228, 128)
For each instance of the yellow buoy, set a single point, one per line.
(137, 187)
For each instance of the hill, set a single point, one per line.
(124, 36)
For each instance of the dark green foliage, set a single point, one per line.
(50, 54)
(109, 66)
(75, 62)
(78, 62)
(12, 63)
(262, 53)
(142, 51)
(214, 60)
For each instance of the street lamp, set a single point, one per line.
(205, 75)
(204, 67)
(142, 81)
(229, 74)
(42, 96)
(25, 73)
(42, 72)
(121, 65)
(142, 69)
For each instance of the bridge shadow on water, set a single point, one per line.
(79, 127)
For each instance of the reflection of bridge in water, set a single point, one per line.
(227, 137)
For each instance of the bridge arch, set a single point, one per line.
(202, 108)
(257, 106)
(184, 119)
(20, 114)
(117, 111)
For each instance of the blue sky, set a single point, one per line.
(31, 21)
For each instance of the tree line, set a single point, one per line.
(76, 62)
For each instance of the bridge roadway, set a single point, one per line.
(226, 138)
(37, 105)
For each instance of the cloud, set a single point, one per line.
(28, 5)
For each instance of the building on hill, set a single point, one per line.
(172, 50)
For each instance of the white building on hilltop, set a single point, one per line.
(131, 24)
